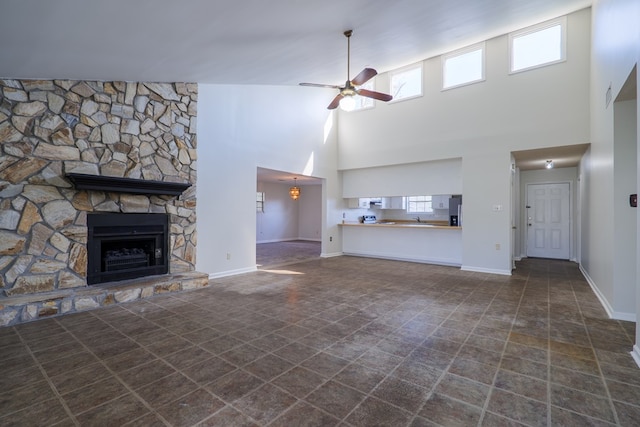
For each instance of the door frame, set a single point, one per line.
(571, 210)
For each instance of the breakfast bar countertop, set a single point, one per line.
(404, 224)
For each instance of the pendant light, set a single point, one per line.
(294, 191)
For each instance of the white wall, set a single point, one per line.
(480, 123)
(426, 178)
(241, 128)
(287, 219)
(545, 176)
(279, 221)
(615, 51)
(310, 213)
(625, 179)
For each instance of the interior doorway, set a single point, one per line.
(284, 223)
(548, 215)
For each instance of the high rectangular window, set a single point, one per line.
(462, 67)
(537, 46)
(406, 83)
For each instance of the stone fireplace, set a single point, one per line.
(73, 151)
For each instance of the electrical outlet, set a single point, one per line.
(228, 256)
(331, 238)
(497, 246)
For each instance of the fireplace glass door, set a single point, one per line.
(126, 246)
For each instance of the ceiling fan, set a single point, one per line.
(349, 90)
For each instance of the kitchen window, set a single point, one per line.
(406, 83)
(419, 204)
(463, 67)
(538, 46)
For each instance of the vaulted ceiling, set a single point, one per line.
(275, 42)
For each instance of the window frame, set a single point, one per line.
(460, 52)
(392, 74)
(410, 202)
(260, 198)
(561, 21)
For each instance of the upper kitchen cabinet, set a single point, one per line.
(440, 201)
(362, 203)
(392, 203)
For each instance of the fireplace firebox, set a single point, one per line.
(126, 246)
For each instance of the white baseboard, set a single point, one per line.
(293, 239)
(617, 315)
(437, 261)
(232, 272)
(486, 270)
(330, 255)
(636, 354)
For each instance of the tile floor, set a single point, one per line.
(273, 254)
(341, 341)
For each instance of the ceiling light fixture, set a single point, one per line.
(294, 191)
(348, 103)
(549, 164)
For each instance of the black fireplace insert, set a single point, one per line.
(126, 246)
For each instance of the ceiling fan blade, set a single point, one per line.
(364, 76)
(375, 95)
(320, 85)
(336, 101)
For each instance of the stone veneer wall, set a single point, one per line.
(52, 127)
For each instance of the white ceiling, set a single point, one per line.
(563, 157)
(275, 42)
(280, 177)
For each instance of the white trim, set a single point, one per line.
(616, 315)
(636, 354)
(331, 255)
(288, 240)
(486, 270)
(438, 261)
(232, 272)
(460, 52)
(562, 21)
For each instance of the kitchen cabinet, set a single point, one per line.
(440, 201)
(392, 203)
(362, 203)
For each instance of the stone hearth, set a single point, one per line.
(52, 128)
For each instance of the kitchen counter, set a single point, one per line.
(401, 224)
(405, 241)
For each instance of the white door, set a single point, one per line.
(548, 220)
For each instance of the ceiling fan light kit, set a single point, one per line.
(345, 99)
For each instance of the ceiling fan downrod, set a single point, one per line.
(347, 34)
